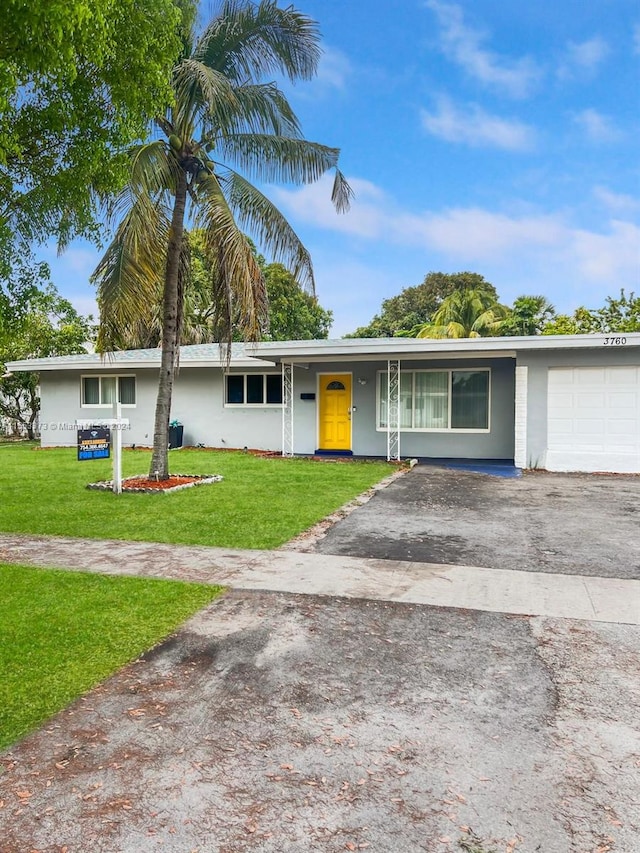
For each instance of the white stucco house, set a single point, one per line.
(562, 403)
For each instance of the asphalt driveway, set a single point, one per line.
(281, 723)
(583, 524)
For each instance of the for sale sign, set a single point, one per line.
(94, 443)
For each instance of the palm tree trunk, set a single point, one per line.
(170, 312)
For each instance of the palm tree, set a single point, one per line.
(465, 314)
(224, 120)
(528, 316)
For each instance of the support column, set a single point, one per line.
(520, 428)
(287, 409)
(393, 410)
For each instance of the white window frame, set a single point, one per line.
(450, 371)
(246, 405)
(100, 377)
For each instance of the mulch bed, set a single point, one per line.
(144, 484)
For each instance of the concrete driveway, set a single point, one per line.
(582, 524)
(277, 722)
(281, 723)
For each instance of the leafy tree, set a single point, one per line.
(35, 322)
(466, 314)
(293, 314)
(415, 306)
(616, 315)
(79, 79)
(224, 117)
(528, 316)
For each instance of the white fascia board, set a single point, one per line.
(38, 365)
(406, 356)
(353, 349)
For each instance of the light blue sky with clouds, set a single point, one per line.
(481, 135)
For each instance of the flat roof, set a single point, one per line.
(268, 353)
(195, 355)
(383, 348)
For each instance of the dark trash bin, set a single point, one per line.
(175, 436)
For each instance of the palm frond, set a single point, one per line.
(153, 170)
(271, 158)
(129, 276)
(259, 108)
(199, 92)
(239, 285)
(247, 41)
(258, 216)
(342, 194)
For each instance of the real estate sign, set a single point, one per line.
(94, 443)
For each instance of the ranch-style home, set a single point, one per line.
(562, 403)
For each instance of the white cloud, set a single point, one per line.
(617, 202)
(85, 305)
(476, 127)
(597, 126)
(312, 204)
(583, 57)
(464, 45)
(334, 68)
(612, 257)
(80, 261)
(476, 234)
(540, 252)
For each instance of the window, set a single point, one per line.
(100, 391)
(253, 389)
(438, 400)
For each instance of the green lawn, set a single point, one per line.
(61, 633)
(261, 503)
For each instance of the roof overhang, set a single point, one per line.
(367, 349)
(267, 355)
(112, 362)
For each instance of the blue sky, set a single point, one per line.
(481, 135)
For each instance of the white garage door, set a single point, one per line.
(594, 419)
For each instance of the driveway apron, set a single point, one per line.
(579, 524)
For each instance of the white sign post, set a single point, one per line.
(116, 424)
(117, 451)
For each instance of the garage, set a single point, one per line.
(593, 419)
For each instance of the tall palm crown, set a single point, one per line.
(226, 127)
(466, 314)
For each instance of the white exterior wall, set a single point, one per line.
(198, 403)
(538, 363)
(498, 443)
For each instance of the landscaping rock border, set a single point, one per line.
(197, 480)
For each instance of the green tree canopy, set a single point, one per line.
(528, 316)
(620, 314)
(225, 121)
(415, 306)
(35, 322)
(79, 80)
(293, 314)
(472, 313)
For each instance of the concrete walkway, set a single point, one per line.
(469, 587)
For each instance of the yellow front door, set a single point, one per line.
(335, 412)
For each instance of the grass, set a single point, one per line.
(261, 503)
(61, 633)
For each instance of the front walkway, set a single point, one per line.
(590, 598)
